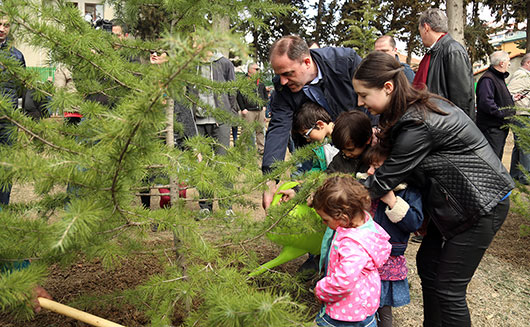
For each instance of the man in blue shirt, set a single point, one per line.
(320, 75)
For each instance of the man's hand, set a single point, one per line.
(244, 112)
(37, 292)
(268, 195)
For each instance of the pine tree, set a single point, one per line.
(363, 33)
(107, 158)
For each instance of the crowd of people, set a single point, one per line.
(426, 161)
(409, 152)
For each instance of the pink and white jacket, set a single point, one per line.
(351, 289)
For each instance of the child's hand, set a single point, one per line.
(268, 194)
(287, 195)
(390, 199)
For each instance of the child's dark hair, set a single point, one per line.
(351, 128)
(307, 116)
(342, 194)
(375, 153)
(374, 71)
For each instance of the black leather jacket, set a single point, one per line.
(450, 161)
(451, 74)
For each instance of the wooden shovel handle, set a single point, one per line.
(76, 314)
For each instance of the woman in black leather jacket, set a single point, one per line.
(464, 186)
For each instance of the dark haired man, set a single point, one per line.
(320, 75)
(10, 88)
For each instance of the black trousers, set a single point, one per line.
(496, 138)
(447, 266)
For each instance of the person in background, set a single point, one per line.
(216, 68)
(387, 44)
(494, 102)
(252, 111)
(519, 87)
(10, 88)
(445, 69)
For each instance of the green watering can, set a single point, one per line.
(300, 232)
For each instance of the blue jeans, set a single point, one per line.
(327, 321)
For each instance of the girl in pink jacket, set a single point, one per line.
(350, 292)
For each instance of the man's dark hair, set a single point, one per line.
(351, 128)
(294, 46)
(307, 116)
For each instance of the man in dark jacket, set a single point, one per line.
(445, 69)
(252, 111)
(494, 101)
(387, 44)
(10, 88)
(321, 75)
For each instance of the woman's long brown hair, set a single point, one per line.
(378, 68)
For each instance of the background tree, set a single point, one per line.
(400, 18)
(456, 16)
(325, 22)
(265, 28)
(518, 10)
(363, 33)
(476, 35)
(350, 12)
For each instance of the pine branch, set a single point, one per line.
(27, 131)
(79, 55)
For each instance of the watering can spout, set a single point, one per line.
(288, 253)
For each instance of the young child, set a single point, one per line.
(352, 134)
(351, 289)
(400, 213)
(315, 125)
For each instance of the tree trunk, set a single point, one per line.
(455, 15)
(527, 27)
(318, 22)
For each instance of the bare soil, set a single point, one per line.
(499, 294)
